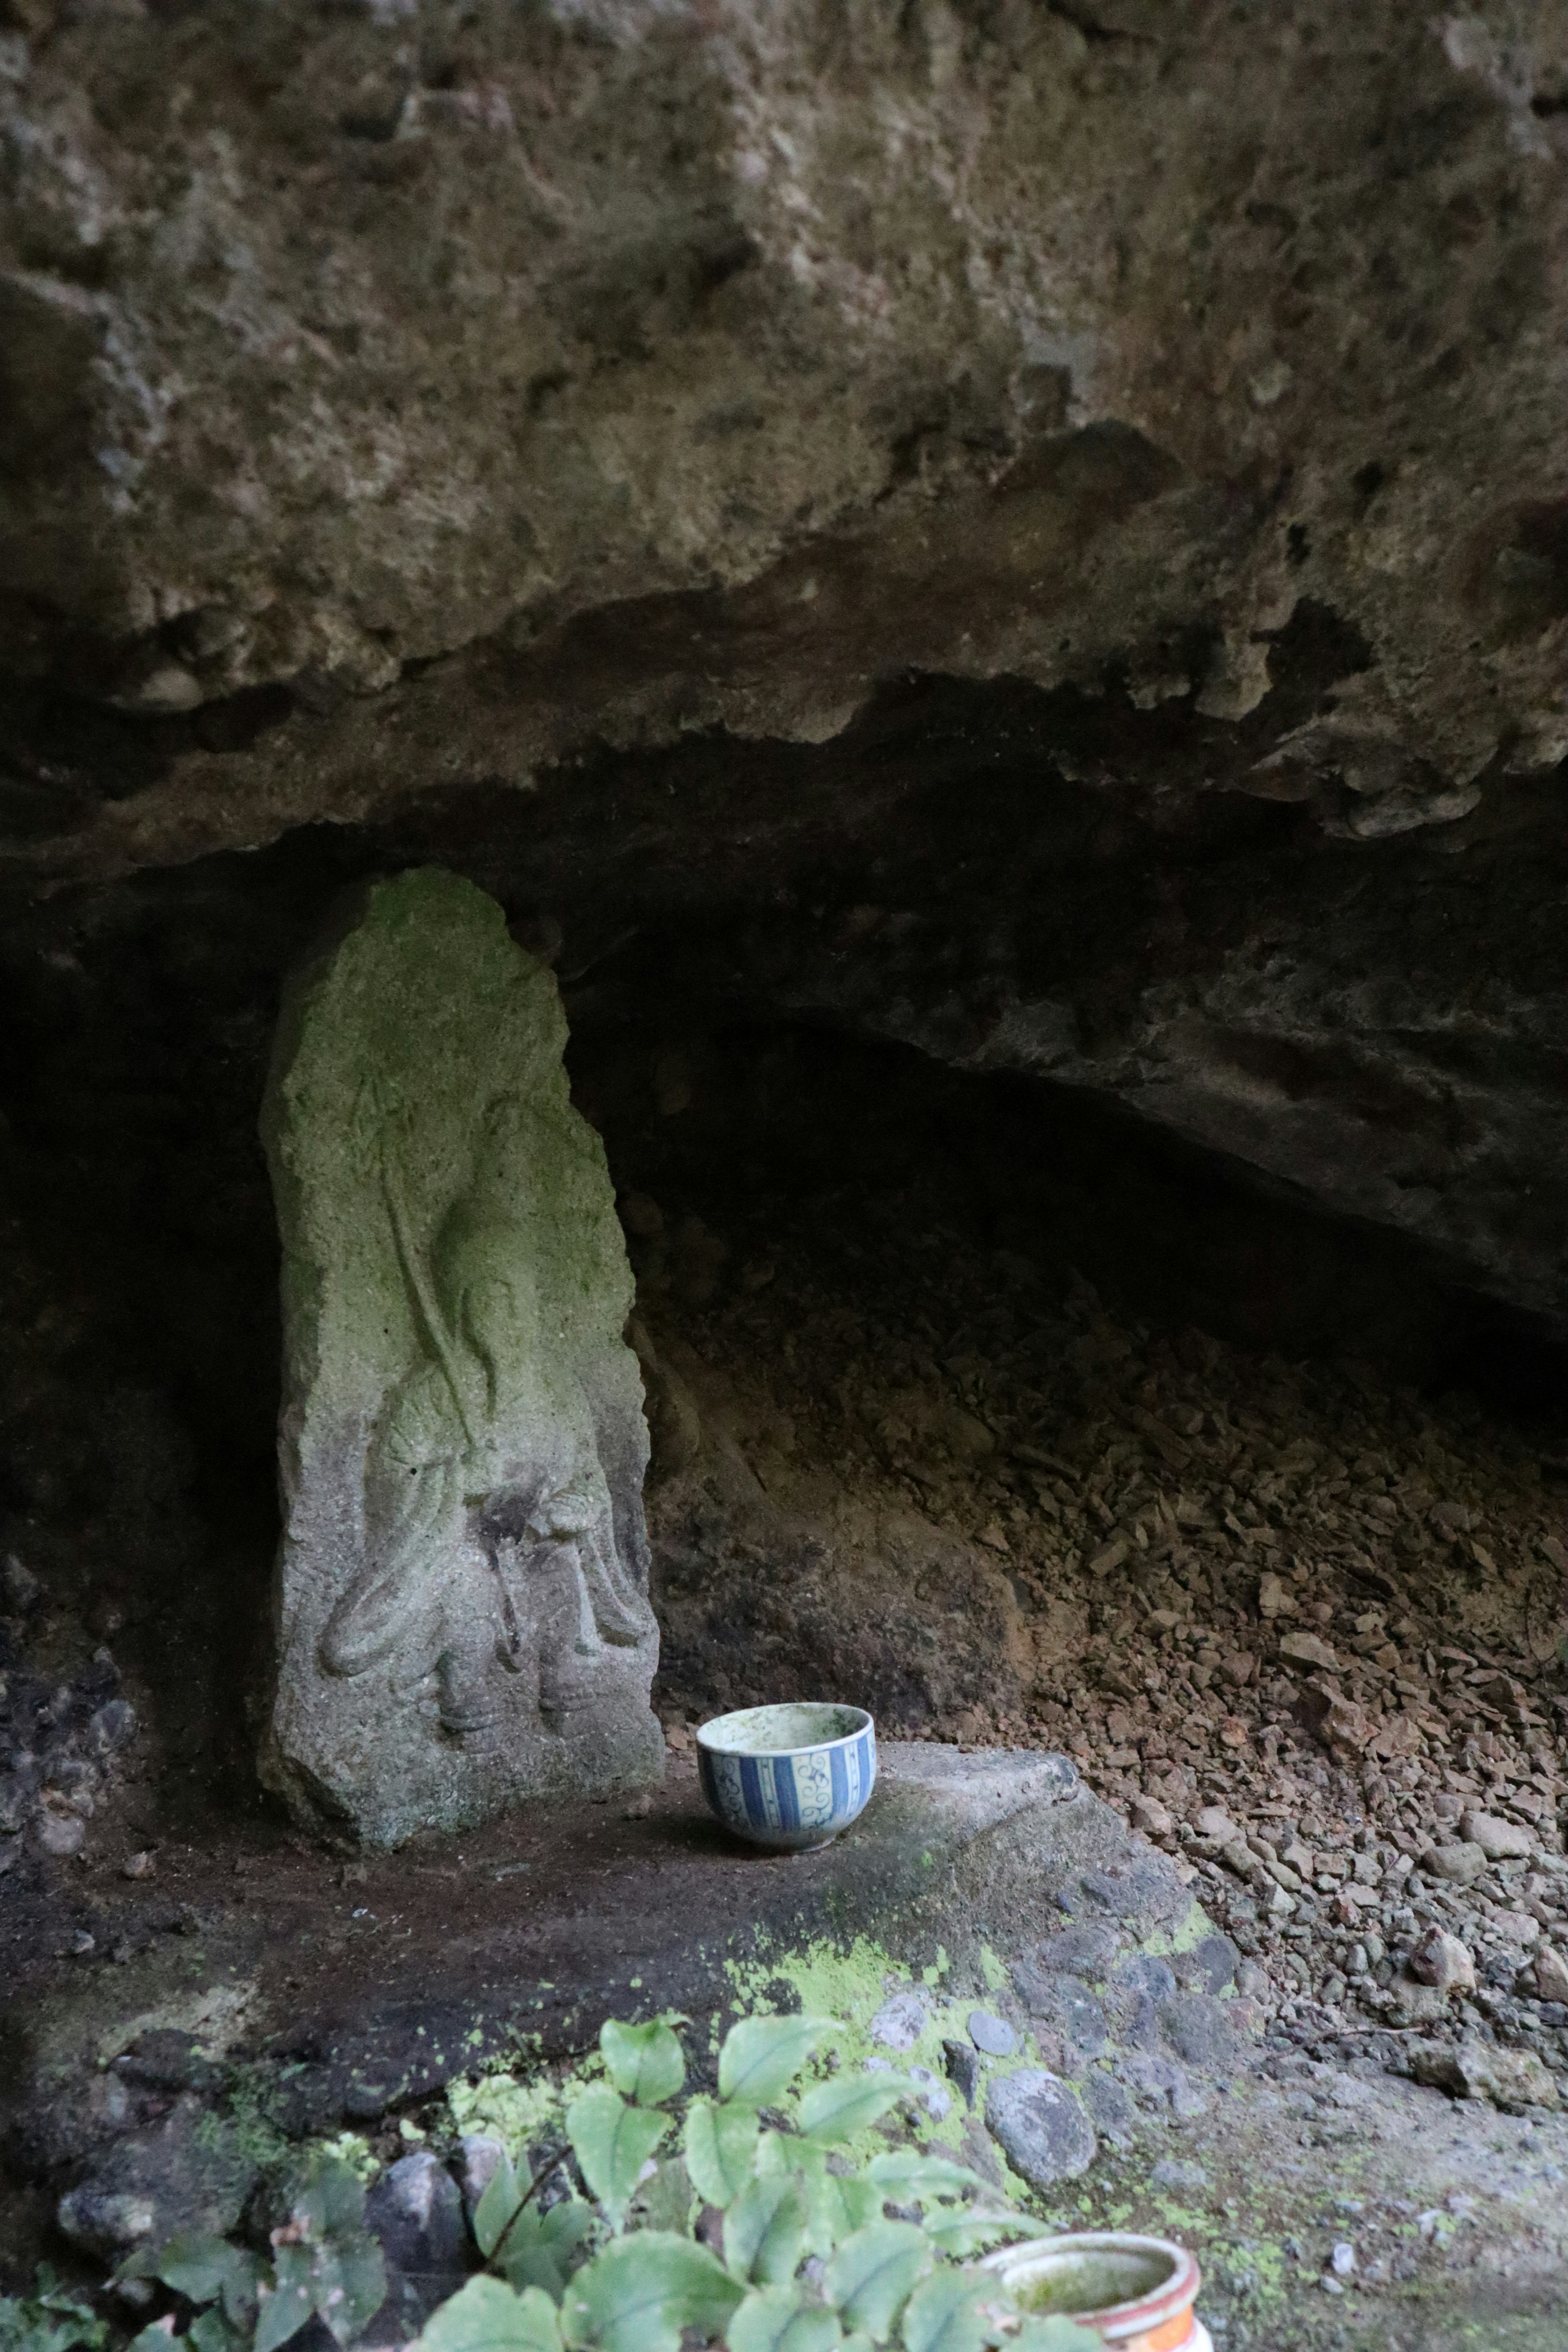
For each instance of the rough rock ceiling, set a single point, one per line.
(1070, 501)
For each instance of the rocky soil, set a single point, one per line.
(1302, 1626)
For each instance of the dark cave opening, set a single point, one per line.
(142, 1390)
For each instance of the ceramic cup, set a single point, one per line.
(1133, 2292)
(788, 1777)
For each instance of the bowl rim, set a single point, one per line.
(1115, 2320)
(808, 1748)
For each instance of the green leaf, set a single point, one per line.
(763, 2055)
(285, 2307)
(840, 2206)
(640, 2292)
(720, 2149)
(156, 2337)
(905, 2172)
(209, 2331)
(765, 2230)
(497, 2209)
(329, 2201)
(538, 2249)
(780, 2319)
(783, 2152)
(1056, 2333)
(943, 2314)
(964, 2232)
(486, 2316)
(350, 2284)
(645, 2061)
(198, 2266)
(612, 2142)
(51, 2320)
(850, 2103)
(873, 2270)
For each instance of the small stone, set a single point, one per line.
(61, 1835)
(112, 1726)
(480, 2165)
(1550, 1972)
(1199, 2031)
(1216, 1824)
(1415, 2004)
(992, 2034)
(1065, 2006)
(1233, 1732)
(1208, 1967)
(1040, 2127)
(1459, 1864)
(1085, 1952)
(1151, 1818)
(141, 1864)
(677, 1738)
(1275, 1598)
(899, 2023)
(1178, 2172)
(105, 2222)
(639, 1808)
(1309, 1651)
(963, 2064)
(1509, 2078)
(933, 2097)
(82, 1944)
(1442, 1961)
(1518, 1929)
(1107, 2104)
(1499, 1840)
(1341, 2262)
(18, 1586)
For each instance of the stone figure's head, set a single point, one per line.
(484, 1284)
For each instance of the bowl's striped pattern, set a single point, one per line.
(798, 1800)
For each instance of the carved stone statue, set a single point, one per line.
(464, 1616)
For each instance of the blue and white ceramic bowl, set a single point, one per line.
(788, 1777)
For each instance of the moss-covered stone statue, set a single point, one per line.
(463, 1614)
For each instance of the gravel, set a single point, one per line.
(1298, 1625)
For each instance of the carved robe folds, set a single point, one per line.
(463, 1614)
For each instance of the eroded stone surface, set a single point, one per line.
(463, 1612)
(1040, 2126)
(654, 377)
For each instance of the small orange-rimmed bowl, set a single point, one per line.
(1134, 2293)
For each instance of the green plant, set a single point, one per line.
(49, 2320)
(760, 2232)
(325, 2263)
(787, 2246)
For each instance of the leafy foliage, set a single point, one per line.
(325, 2265)
(720, 2149)
(49, 2320)
(592, 2273)
(644, 2060)
(639, 2294)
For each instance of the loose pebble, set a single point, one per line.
(992, 2034)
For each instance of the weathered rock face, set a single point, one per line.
(406, 399)
(463, 1613)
